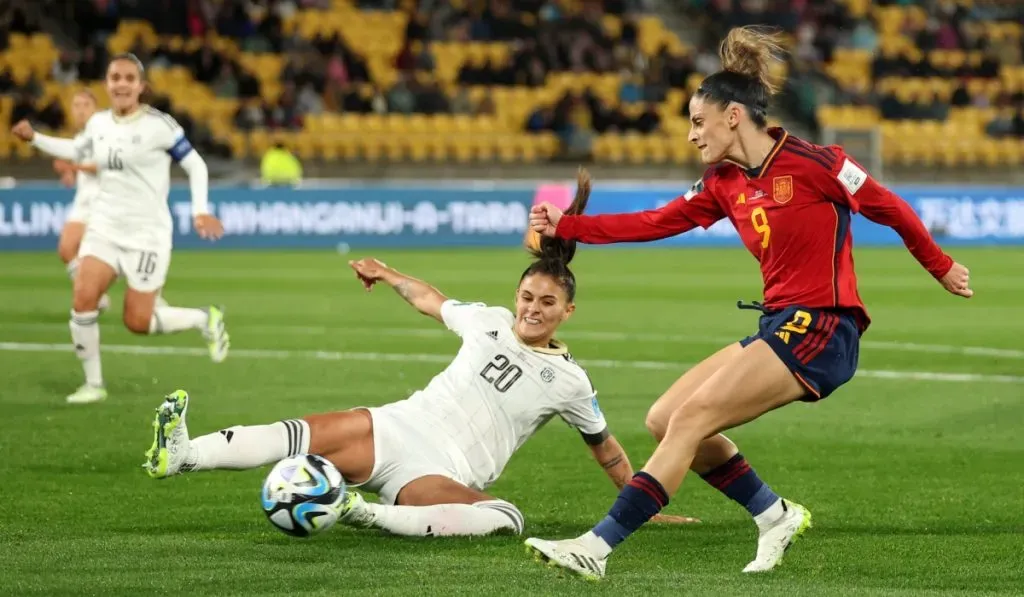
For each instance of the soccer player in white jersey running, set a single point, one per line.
(82, 176)
(129, 228)
(431, 456)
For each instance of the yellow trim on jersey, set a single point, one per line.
(555, 348)
(137, 114)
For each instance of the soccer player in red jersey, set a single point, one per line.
(791, 202)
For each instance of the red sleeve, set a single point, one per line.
(698, 207)
(849, 184)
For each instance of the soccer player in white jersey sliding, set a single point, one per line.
(129, 228)
(431, 456)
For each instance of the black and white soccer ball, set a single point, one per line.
(303, 495)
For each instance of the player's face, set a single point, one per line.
(712, 129)
(82, 107)
(541, 306)
(124, 85)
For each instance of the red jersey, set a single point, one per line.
(793, 214)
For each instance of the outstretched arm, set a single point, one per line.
(863, 193)
(424, 297)
(696, 208)
(67, 149)
(612, 458)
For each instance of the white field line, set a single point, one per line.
(323, 355)
(586, 336)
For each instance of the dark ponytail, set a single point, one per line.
(747, 54)
(554, 254)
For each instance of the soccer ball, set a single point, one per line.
(303, 495)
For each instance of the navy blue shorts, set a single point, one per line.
(820, 346)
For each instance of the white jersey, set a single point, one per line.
(498, 392)
(133, 158)
(87, 186)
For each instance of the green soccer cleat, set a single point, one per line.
(167, 455)
(216, 334)
(354, 511)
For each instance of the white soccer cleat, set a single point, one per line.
(87, 394)
(216, 334)
(161, 301)
(774, 540)
(104, 303)
(169, 452)
(355, 513)
(569, 554)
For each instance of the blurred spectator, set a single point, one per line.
(251, 115)
(226, 83)
(24, 108)
(65, 69)
(309, 101)
(92, 66)
(400, 97)
(285, 114)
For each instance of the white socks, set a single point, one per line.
(769, 517)
(85, 335)
(447, 520)
(168, 320)
(250, 446)
(597, 546)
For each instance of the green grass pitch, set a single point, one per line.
(913, 470)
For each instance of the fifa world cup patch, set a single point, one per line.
(782, 189)
(694, 190)
(852, 177)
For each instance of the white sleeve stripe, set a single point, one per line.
(166, 118)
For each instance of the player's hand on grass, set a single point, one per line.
(958, 281)
(544, 218)
(670, 519)
(23, 130)
(369, 271)
(208, 227)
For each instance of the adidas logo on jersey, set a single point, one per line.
(493, 334)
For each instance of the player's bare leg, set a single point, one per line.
(67, 249)
(147, 313)
(428, 506)
(344, 438)
(718, 460)
(92, 282)
(742, 390)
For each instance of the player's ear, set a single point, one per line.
(734, 114)
(569, 310)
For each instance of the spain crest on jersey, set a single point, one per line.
(782, 189)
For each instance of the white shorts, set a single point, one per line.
(402, 453)
(80, 209)
(142, 270)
